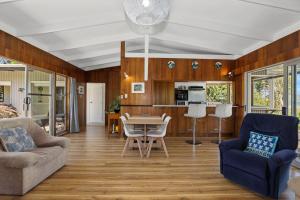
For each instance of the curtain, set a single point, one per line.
(74, 121)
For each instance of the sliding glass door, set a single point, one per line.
(60, 105)
(274, 90)
(39, 98)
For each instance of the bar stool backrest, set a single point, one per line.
(197, 110)
(223, 110)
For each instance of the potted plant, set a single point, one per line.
(115, 105)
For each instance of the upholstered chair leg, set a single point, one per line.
(126, 146)
(140, 147)
(149, 147)
(164, 145)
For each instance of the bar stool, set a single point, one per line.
(222, 111)
(195, 111)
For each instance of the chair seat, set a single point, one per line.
(247, 162)
(136, 133)
(154, 133)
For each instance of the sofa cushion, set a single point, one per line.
(247, 162)
(16, 140)
(262, 145)
(48, 154)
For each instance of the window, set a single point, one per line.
(266, 90)
(219, 92)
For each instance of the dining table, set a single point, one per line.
(145, 120)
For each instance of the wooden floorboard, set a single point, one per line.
(96, 171)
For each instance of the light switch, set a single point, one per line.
(122, 97)
(126, 96)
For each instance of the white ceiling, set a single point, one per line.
(88, 33)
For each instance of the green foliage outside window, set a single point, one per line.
(218, 93)
(261, 95)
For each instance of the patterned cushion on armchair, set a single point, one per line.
(260, 144)
(16, 140)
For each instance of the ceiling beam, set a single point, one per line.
(67, 26)
(166, 49)
(196, 43)
(226, 29)
(107, 65)
(184, 56)
(91, 42)
(99, 53)
(97, 62)
(273, 5)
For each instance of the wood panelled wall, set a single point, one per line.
(158, 70)
(111, 77)
(16, 49)
(138, 104)
(284, 49)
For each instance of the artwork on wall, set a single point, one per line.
(1, 93)
(218, 65)
(195, 64)
(171, 64)
(138, 87)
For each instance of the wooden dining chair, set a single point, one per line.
(154, 135)
(132, 135)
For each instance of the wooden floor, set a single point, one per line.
(96, 171)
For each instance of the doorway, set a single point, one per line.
(95, 104)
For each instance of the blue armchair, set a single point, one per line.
(265, 176)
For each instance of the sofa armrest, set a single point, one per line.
(282, 157)
(231, 144)
(18, 160)
(279, 167)
(51, 141)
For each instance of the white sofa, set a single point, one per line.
(21, 171)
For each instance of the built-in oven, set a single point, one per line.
(181, 96)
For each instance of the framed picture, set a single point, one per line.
(81, 90)
(138, 87)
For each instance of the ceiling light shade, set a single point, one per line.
(146, 16)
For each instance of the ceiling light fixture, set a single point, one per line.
(146, 17)
(146, 3)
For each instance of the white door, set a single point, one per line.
(95, 103)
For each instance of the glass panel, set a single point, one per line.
(39, 90)
(12, 88)
(218, 92)
(60, 104)
(267, 90)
